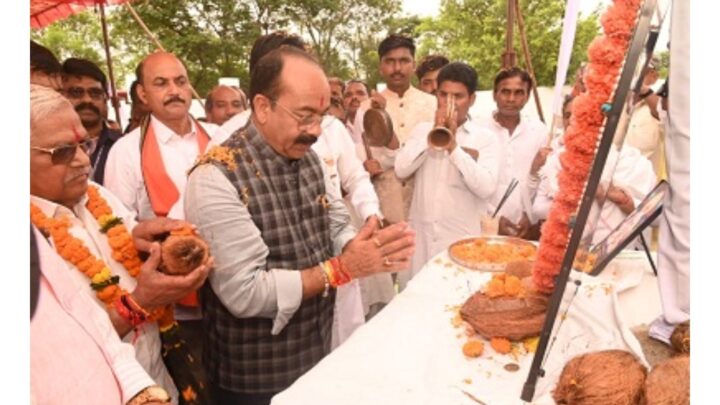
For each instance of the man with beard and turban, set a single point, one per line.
(85, 85)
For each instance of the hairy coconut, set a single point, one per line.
(181, 254)
(610, 377)
(669, 382)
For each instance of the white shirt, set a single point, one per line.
(517, 151)
(627, 169)
(230, 126)
(123, 170)
(451, 190)
(84, 227)
(336, 150)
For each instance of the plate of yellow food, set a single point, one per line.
(491, 253)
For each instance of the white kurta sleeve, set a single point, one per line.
(354, 178)
(122, 170)
(480, 176)
(412, 155)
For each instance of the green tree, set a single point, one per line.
(212, 37)
(474, 31)
(341, 30)
(80, 36)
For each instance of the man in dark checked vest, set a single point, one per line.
(280, 236)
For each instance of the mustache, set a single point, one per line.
(397, 75)
(87, 106)
(79, 173)
(305, 140)
(174, 99)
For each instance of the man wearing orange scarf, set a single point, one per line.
(146, 169)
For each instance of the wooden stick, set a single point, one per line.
(106, 42)
(528, 61)
(157, 44)
(508, 57)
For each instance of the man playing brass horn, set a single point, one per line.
(455, 173)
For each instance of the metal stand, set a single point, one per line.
(635, 49)
(647, 253)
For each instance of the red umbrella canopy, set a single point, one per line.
(45, 12)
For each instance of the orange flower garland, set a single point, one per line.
(74, 251)
(606, 55)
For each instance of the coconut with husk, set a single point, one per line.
(609, 377)
(515, 317)
(680, 338)
(669, 382)
(183, 251)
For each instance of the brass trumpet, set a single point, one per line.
(440, 136)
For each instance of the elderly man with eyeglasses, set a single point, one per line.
(85, 85)
(98, 237)
(280, 235)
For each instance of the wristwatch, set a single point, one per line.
(153, 393)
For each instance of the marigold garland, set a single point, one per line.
(72, 249)
(606, 55)
(219, 154)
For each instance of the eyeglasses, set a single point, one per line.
(309, 120)
(79, 92)
(64, 154)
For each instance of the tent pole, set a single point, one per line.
(157, 43)
(508, 57)
(528, 61)
(106, 42)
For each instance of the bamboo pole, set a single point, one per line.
(106, 41)
(508, 57)
(528, 61)
(157, 43)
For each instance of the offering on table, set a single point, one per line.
(514, 311)
(680, 338)
(491, 253)
(610, 377)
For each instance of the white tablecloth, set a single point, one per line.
(410, 353)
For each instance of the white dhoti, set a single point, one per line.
(674, 240)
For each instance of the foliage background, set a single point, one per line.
(214, 37)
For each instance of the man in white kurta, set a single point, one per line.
(407, 106)
(148, 347)
(59, 169)
(166, 90)
(453, 184)
(627, 172)
(674, 242)
(151, 184)
(521, 138)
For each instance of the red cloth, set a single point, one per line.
(162, 191)
(46, 12)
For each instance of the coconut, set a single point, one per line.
(610, 377)
(181, 254)
(680, 338)
(669, 382)
(515, 318)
